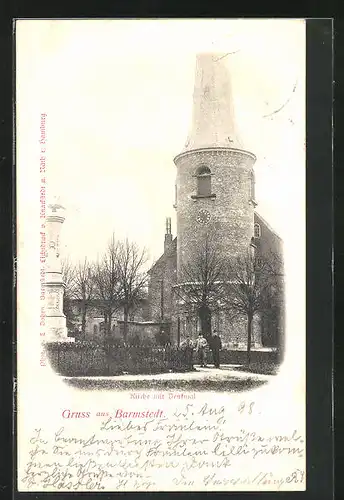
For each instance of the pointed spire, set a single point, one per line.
(213, 120)
(168, 235)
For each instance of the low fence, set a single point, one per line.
(239, 357)
(84, 359)
(80, 359)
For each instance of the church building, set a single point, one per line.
(215, 191)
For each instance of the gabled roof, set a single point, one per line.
(157, 263)
(161, 259)
(256, 214)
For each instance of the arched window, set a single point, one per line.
(95, 329)
(257, 231)
(203, 175)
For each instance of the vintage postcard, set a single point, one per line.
(160, 170)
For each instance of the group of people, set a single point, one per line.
(202, 344)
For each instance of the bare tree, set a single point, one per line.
(201, 279)
(84, 290)
(133, 278)
(250, 283)
(68, 276)
(107, 285)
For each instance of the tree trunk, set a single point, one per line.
(125, 324)
(83, 322)
(105, 332)
(205, 318)
(249, 337)
(109, 325)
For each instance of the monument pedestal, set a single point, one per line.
(55, 320)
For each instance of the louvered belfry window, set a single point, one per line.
(203, 181)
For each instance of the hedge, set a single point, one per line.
(92, 359)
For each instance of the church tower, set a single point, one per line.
(215, 179)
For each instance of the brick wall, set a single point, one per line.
(233, 331)
(273, 321)
(233, 216)
(162, 278)
(231, 210)
(142, 330)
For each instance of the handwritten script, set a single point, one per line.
(190, 450)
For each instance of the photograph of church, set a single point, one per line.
(175, 254)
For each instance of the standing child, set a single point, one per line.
(201, 347)
(188, 346)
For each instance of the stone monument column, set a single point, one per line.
(55, 320)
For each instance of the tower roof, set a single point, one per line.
(213, 120)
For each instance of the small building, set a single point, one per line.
(95, 323)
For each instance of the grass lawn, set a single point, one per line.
(229, 384)
(263, 368)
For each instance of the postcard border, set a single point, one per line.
(319, 276)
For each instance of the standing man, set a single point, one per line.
(215, 346)
(201, 347)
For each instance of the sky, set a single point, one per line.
(118, 100)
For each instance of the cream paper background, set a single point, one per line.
(118, 95)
